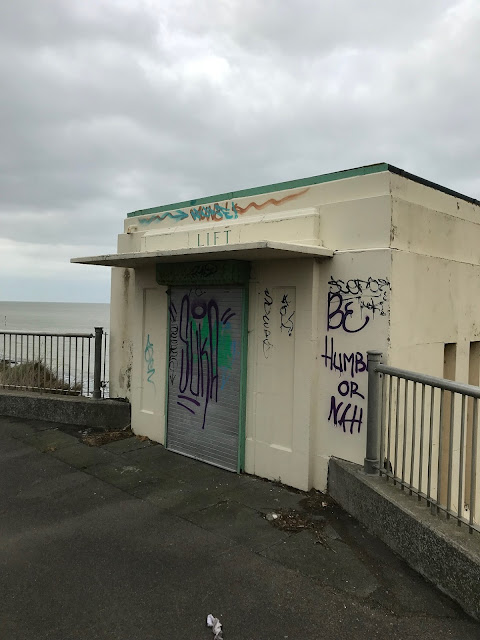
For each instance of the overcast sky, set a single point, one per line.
(113, 105)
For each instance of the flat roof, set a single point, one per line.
(305, 182)
(257, 250)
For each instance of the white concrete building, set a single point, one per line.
(240, 322)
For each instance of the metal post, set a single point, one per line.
(97, 370)
(371, 463)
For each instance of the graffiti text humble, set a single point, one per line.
(349, 363)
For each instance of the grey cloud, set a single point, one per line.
(65, 22)
(309, 27)
(109, 107)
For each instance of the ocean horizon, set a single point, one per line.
(54, 317)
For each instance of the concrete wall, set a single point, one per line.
(435, 276)
(307, 319)
(354, 307)
(435, 314)
(445, 554)
(87, 412)
(333, 214)
(281, 369)
(149, 356)
(406, 260)
(122, 310)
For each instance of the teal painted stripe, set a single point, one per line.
(279, 186)
(243, 382)
(167, 363)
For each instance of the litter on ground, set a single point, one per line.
(216, 626)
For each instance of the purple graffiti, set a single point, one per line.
(345, 415)
(185, 407)
(180, 397)
(339, 313)
(199, 336)
(351, 363)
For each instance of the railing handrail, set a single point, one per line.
(437, 448)
(47, 334)
(432, 381)
(58, 362)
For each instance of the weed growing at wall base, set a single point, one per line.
(34, 376)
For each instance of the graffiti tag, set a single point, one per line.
(148, 354)
(267, 308)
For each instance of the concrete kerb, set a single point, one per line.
(444, 553)
(88, 412)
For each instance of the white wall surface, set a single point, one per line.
(404, 280)
(121, 326)
(281, 362)
(354, 310)
(149, 356)
(435, 277)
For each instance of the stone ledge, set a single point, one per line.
(441, 551)
(65, 409)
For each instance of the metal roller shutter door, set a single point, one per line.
(205, 373)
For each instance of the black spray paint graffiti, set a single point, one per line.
(286, 318)
(173, 350)
(371, 294)
(206, 347)
(267, 308)
(347, 300)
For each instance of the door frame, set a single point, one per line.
(228, 273)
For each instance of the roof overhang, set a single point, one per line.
(261, 250)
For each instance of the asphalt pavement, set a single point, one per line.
(129, 541)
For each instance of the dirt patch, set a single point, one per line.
(105, 437)
(315, 508)
(316, 502)
(294, 521)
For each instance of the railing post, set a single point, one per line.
(371, 462)
(97, 369)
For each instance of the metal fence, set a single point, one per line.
(65, 363)
(422, 434)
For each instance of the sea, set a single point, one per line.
(67, 358)
(54, 317)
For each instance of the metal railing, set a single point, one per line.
(422, 433)
(65, 363)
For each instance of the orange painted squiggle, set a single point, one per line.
(291, 196)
